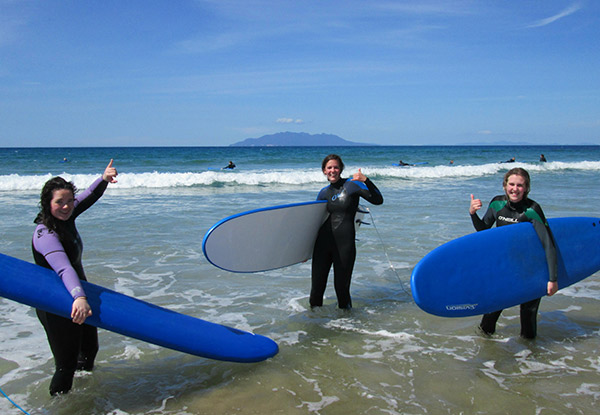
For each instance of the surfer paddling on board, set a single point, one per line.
(512, 207)
(57, 245)
(335, 244)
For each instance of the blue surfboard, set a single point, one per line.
(42, 288)
(501, 267)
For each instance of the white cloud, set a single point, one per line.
(290, 121)
(568, 11)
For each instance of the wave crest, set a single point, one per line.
(289, 177)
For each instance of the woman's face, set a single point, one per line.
(515, 188)
(332, 171)
(62, 204)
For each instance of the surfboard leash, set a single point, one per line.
(364, 209)
(13, 402)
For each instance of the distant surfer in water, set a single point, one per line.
(543, 158)
(335, 241)
(57, 245)
(231, 165)
(512, 207)
(401, 163)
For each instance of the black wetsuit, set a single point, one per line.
(502, 212)
(73, 346)
(335, 241)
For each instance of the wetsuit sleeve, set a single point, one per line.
(487, 222)
(374, 196)
(368, 191)
(89, 196)
(48, 244)
(540, 224)
(323, 193)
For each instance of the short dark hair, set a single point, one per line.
(332, 157)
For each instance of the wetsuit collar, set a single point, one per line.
(519, 206)
(338, 184)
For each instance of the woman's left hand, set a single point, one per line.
(359, 176)
(552, 288)
(80, 310)
(110, 173)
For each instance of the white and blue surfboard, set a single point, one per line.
(267, 238)
(502, 267)
(42, 288)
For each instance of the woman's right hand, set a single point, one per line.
(80, 310)
(475, 205)
(110, 173)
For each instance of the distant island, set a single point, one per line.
(289, 139)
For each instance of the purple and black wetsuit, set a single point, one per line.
(73, 346)
(335, 241)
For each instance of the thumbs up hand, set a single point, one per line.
(475, 205)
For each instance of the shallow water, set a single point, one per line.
(143, 238)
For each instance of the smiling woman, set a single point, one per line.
(57, 246)
(514, 207)
(335, 243)
(62, 203)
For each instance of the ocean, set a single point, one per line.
(385, 356)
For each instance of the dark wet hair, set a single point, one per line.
(519, 172)
(332, 157)
(45, 215)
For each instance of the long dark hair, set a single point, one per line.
(45, 215)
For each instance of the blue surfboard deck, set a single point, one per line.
(502, 267)
(266, 238)
(42, 288)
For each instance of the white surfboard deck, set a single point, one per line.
(267, 238)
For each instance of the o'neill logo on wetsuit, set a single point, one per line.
(457, 307)
(505, 219)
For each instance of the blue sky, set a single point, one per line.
(214, 72)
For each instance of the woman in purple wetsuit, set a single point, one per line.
(57, 245)
(335, 240)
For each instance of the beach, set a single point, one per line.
(386, 356)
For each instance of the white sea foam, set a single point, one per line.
(288, 177)
(588, 288)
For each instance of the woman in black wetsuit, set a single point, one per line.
(512, 207)
(335, 241)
